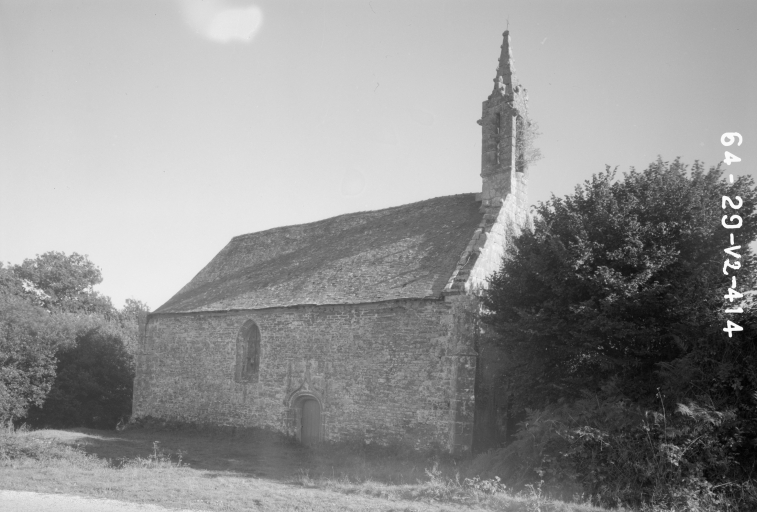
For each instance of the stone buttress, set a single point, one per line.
(505, 208)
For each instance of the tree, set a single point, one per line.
(618, 280)
(63, 283)
(611, 313)
(62, 344)
(92, 387)
(132, 316)
(28, 339)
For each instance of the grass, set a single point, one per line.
(250, 470)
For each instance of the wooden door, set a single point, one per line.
(311, 422)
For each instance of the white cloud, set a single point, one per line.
(217, 21)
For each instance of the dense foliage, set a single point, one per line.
(27, 346)
(57, 332)
(92, 387)
(611, 313)
(63, 283)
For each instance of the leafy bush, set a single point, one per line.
(617, 278)
(618, 454)
(611, 315)
(49, 308)
(28, 339)
(92, 387)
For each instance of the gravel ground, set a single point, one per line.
(22, 501)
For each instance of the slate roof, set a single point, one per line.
(408, 251)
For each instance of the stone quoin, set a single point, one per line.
(357, 327)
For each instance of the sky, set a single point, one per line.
(147, 134)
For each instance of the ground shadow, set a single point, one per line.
(258, 454)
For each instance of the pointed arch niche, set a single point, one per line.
(247, 367)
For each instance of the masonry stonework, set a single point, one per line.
(385, 373)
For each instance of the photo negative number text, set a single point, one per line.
(732, 222)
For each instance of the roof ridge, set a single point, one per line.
(352, 213)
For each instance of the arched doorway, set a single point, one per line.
(310, 433)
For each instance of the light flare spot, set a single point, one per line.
(218, 21)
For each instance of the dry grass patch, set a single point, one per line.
(253, 470)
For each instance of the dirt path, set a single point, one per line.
(22, 501)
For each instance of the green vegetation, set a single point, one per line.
(65, 351)
(28, 339)
(611, 314)
(93, 384)
(526, 151)
(251, 470)
(625, 389)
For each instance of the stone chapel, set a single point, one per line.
(356, 327)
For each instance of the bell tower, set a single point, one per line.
(505, 136)
(502, 165)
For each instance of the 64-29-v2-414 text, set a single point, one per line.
(732, 222)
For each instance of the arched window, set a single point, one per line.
(248, 353)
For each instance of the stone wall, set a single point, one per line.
(390, 372)
(511, 218)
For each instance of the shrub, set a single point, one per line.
(27, 363)
(93, 385)
(614, 306)
(620, 455)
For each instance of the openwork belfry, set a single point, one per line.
(357, 327)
